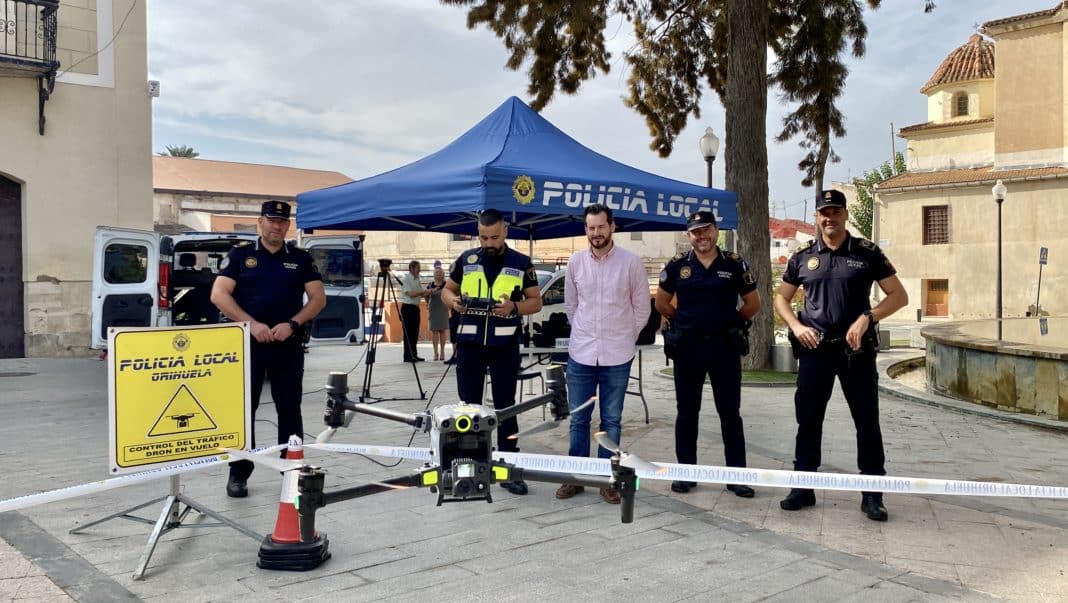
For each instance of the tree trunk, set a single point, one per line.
(746, 155)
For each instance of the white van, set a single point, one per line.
(142, 278)
(340, 262)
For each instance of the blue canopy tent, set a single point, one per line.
(514, 160)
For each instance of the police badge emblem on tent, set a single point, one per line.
(523, 189)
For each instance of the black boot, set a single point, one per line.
(236, 487)
(798, 498)
(872, 505)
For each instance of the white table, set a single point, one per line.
(544, 356)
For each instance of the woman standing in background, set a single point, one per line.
(438, 313)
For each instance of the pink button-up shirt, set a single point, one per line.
(607, 303)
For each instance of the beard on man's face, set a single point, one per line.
(599, 241)
(493, 251)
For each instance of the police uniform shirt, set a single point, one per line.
(707, 297)
(837, 283)
(270, 286)
(491, 266)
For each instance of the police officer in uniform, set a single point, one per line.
(835, 336)
(708, 321)
(264, 284)
(487, 335)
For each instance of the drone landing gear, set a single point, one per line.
(171, 518)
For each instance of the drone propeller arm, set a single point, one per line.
(507, 413)
(415, 420)
(576, 479)
(405, 481)
(556, 398)
(337, 403)
(623, 479)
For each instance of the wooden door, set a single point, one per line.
(12, 332)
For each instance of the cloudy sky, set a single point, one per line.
(364, 86)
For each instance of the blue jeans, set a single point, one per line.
(609, 383)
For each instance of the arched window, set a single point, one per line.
(960, 104)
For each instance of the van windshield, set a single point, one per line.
(339, 265)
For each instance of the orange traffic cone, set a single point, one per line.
(287, 526)
(283, 548)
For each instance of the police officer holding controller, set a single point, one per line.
(264, 283)
(707, 337)
(835, 336)
(502, 282)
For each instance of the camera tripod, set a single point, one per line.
(383, 292)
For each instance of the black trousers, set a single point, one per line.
(722, 364)
(282, 363)
(857, 374)
(502, 362)
(410, 326)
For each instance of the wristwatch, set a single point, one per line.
(871, 319)
(294, 325)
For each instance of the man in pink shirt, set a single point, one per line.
(606, 292)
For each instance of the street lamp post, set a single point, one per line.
(709, 147)
(998, 191)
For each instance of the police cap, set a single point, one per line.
(700, 219)
(275, 209)
(830, 198)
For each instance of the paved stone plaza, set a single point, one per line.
(705, 545)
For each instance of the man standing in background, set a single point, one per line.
(606, 292)
(412, 294)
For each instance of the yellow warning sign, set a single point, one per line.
(176, 393)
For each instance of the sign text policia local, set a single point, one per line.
(176, 394)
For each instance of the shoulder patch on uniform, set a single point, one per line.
(865, 243)
(732, 256)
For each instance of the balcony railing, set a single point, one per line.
(28, 45)
(28, 37)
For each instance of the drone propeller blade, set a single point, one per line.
(627, 459)
(606, 442)
(584, 405)
(637, 463)
(540, 427)
(325, 435)
(267, 461)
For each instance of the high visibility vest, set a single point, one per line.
(487, 328)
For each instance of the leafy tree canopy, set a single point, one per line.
(861, 213)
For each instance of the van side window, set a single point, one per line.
(125, 263)
(554, 294)
(339, 266)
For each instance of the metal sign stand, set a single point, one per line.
(171, 518)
